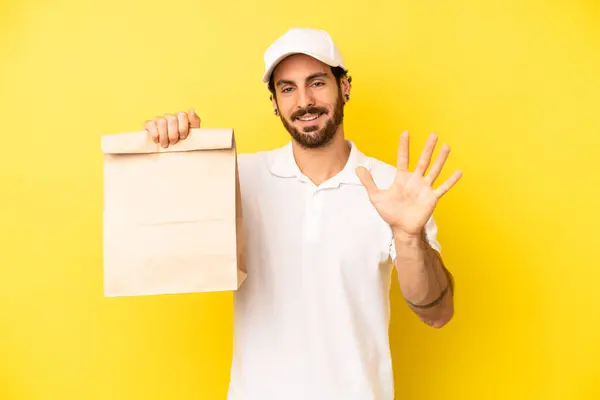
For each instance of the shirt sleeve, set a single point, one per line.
(431, 231)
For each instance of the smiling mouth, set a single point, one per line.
(309, 117)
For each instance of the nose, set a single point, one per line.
(305, 99)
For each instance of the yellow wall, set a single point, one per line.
(511, 85)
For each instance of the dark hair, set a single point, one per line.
(338, 73)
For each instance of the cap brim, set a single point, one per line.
(275, 63)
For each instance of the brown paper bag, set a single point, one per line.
(172, 217)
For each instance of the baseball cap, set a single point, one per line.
(316, 43)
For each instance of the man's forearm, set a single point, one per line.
(424, 281)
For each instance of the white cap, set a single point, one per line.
(313, 42)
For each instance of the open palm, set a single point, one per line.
(410, 201)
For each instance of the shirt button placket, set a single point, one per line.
(313, 215)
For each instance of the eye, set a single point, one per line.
(286, 90)
(318, 83)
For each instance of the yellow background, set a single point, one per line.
(512, 86)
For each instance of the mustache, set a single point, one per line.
(309, 110)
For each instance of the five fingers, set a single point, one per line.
(171, 128)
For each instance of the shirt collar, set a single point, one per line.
(282, 163)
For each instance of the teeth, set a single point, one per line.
(308, 118)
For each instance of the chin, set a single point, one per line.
(313, 132)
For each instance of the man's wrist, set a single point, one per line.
(404, 238)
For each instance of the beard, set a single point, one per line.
(312, 137)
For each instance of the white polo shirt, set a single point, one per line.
(312, 317)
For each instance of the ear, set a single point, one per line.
(345, 86)
(274, 102)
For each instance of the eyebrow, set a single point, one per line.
(310, 77)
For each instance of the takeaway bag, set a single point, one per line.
(172, 219)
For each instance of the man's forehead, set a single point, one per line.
(299, 66)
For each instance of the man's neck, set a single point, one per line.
(321, 164)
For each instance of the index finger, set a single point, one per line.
(403, 152)
(183, 125)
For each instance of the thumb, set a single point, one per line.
(194, 119)
(367, 180)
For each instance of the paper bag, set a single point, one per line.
(172, 216)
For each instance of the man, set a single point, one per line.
(322, 222)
